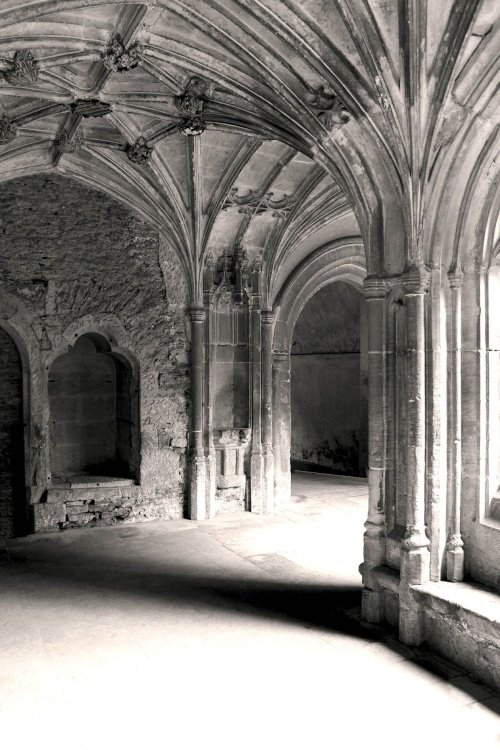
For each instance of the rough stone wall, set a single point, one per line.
(328, 409)
(73, 260)
(11, 435)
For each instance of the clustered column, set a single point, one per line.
(256, 459)
(267, 318)
(197, 509)
(281, 426)
(454, 544)
(374, 536)
(415, 555)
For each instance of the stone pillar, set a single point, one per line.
(256, 458)
(281, 427)
(454, 544)
(374, 536)
(208, 440)
(267, 318)
(197, 493)
(415, 555)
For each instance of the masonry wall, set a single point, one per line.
(72, 260)
(328, 384)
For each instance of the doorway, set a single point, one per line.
(329, 383)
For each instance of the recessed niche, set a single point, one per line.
(93, 412)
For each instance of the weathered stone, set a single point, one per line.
(48, 516)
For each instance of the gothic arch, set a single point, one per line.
(342, 260)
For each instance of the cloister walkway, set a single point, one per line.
(241, 632)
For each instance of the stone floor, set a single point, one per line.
(242, 632)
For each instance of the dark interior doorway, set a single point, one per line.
(329, 383)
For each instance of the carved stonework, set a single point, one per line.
(139, 152)
(23, 69)
(118, 59)
(190, 105)
(254, 203)
(90, 108)
(230, 446)
(329, 108)
(8, 129)
(66, 144)
(227, 279)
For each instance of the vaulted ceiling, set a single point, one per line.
(280, 125)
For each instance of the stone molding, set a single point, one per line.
(455, 279)
(416, 280)
(374, 287)
(197, 314)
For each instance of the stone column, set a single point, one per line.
(454, 544)
(197, 494)
(256, 458)
(208, 440)
(374, 536)
(281, 427)
(267, 318)
(415, 555)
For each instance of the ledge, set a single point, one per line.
(84, 481)
(463, 601)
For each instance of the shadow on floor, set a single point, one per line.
(50, 572)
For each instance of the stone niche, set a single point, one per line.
(93, 413)
(93, 431)
(227, 301)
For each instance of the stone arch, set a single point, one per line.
(342, 260)
(93, 394)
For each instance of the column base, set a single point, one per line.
(372, 606)
(256, 483)
(210, 475)
(268, 504)
(373, 546)
(411, 630)
(197, 490)
(455, 564)
(415, 566)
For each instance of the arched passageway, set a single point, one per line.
(93, 417)
(329, 383)
(13, 515)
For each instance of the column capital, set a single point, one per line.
(267, 317)
(375, 287)
(455, 278)
(281, 356)
(416, 280)
(197, 314)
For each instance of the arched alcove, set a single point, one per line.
(93, 412)
(13, 515)
(329, 383)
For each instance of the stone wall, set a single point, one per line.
(329, 421)
(74, 261)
